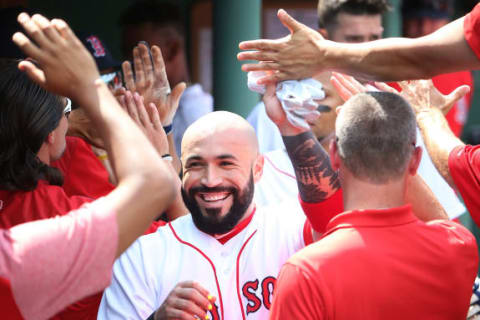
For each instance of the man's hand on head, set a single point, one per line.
(65, 65)
(295, 56)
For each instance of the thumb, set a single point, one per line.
(177, 92)
(292, 24)
(33, 72)
(454, 96)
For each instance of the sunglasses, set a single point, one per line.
(68, 108)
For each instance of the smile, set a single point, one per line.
(213, 196)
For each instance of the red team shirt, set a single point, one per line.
(380, 264)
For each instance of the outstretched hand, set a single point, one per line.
(423, 96)
(151, 81)
(295, 56)
(146, 118)
(65, 67)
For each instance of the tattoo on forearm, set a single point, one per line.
(315, 177)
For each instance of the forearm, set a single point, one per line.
(395, 59)
(173, 152)
(439, 140)
(316, 179)
(424, 203)
(145, 182)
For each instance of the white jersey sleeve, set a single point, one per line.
(129, 295)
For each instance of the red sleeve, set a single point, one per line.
(319, 214)
(83, 173)
(296, 297)
(471, 29)
(464, 166)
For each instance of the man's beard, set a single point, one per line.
(211, 223)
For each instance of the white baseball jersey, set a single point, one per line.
(241, 273)
(278, 181)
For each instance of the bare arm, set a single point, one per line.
(305, 53)
(145, 181)
(430, 106)
(424, 203)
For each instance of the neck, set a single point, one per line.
(363, 195)
(43, 154)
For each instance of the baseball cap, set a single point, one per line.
(99, 51)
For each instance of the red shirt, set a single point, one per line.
(464, 167)
(83, 173)
(471, 29)
(380, 264)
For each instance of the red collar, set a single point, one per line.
(237, 229)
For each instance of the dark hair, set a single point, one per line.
(328, 10)
(28, 113)
(161, 14)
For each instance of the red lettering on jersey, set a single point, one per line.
(249, 291)
(268, 285)
(214, 315)
(99, 50)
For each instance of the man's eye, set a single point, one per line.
(226, 163)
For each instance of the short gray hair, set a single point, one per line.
(375, 134)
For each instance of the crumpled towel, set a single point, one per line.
(297, 97)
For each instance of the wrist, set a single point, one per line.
(290, 130)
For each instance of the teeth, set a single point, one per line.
(214, 196)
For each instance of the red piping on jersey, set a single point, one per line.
(281, 171)
(208, 259)
(238, 276)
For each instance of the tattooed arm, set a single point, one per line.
(316, 179)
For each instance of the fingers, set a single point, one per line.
(261, 44)
(177, 93)
(385, 87)
(138, 65)
(343, 92)
(33, 72)
(346, 86)
(27, 46)
(128, 76)
(265, 56)
(159, 67)
(132, 107)
(154, 116)
(454, 96)
(63, 29)
(47, 28)
(147, 63)
(292, 24)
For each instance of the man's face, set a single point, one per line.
(356, 28)
(218, 181)
(325, 124)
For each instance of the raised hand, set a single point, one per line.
(422, 96)
(65, 65)
(276, 113)
(146, 118)
(293, 57)
(188, 300)
(151, 81)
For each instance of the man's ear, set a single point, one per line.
(258, 168)
(415, 161)
(50, 138)
(323, 32)
(333, 153)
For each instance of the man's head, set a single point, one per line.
(161, 24)
(32, 130)
(351, 20)
(221, 163)
(375, 138)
